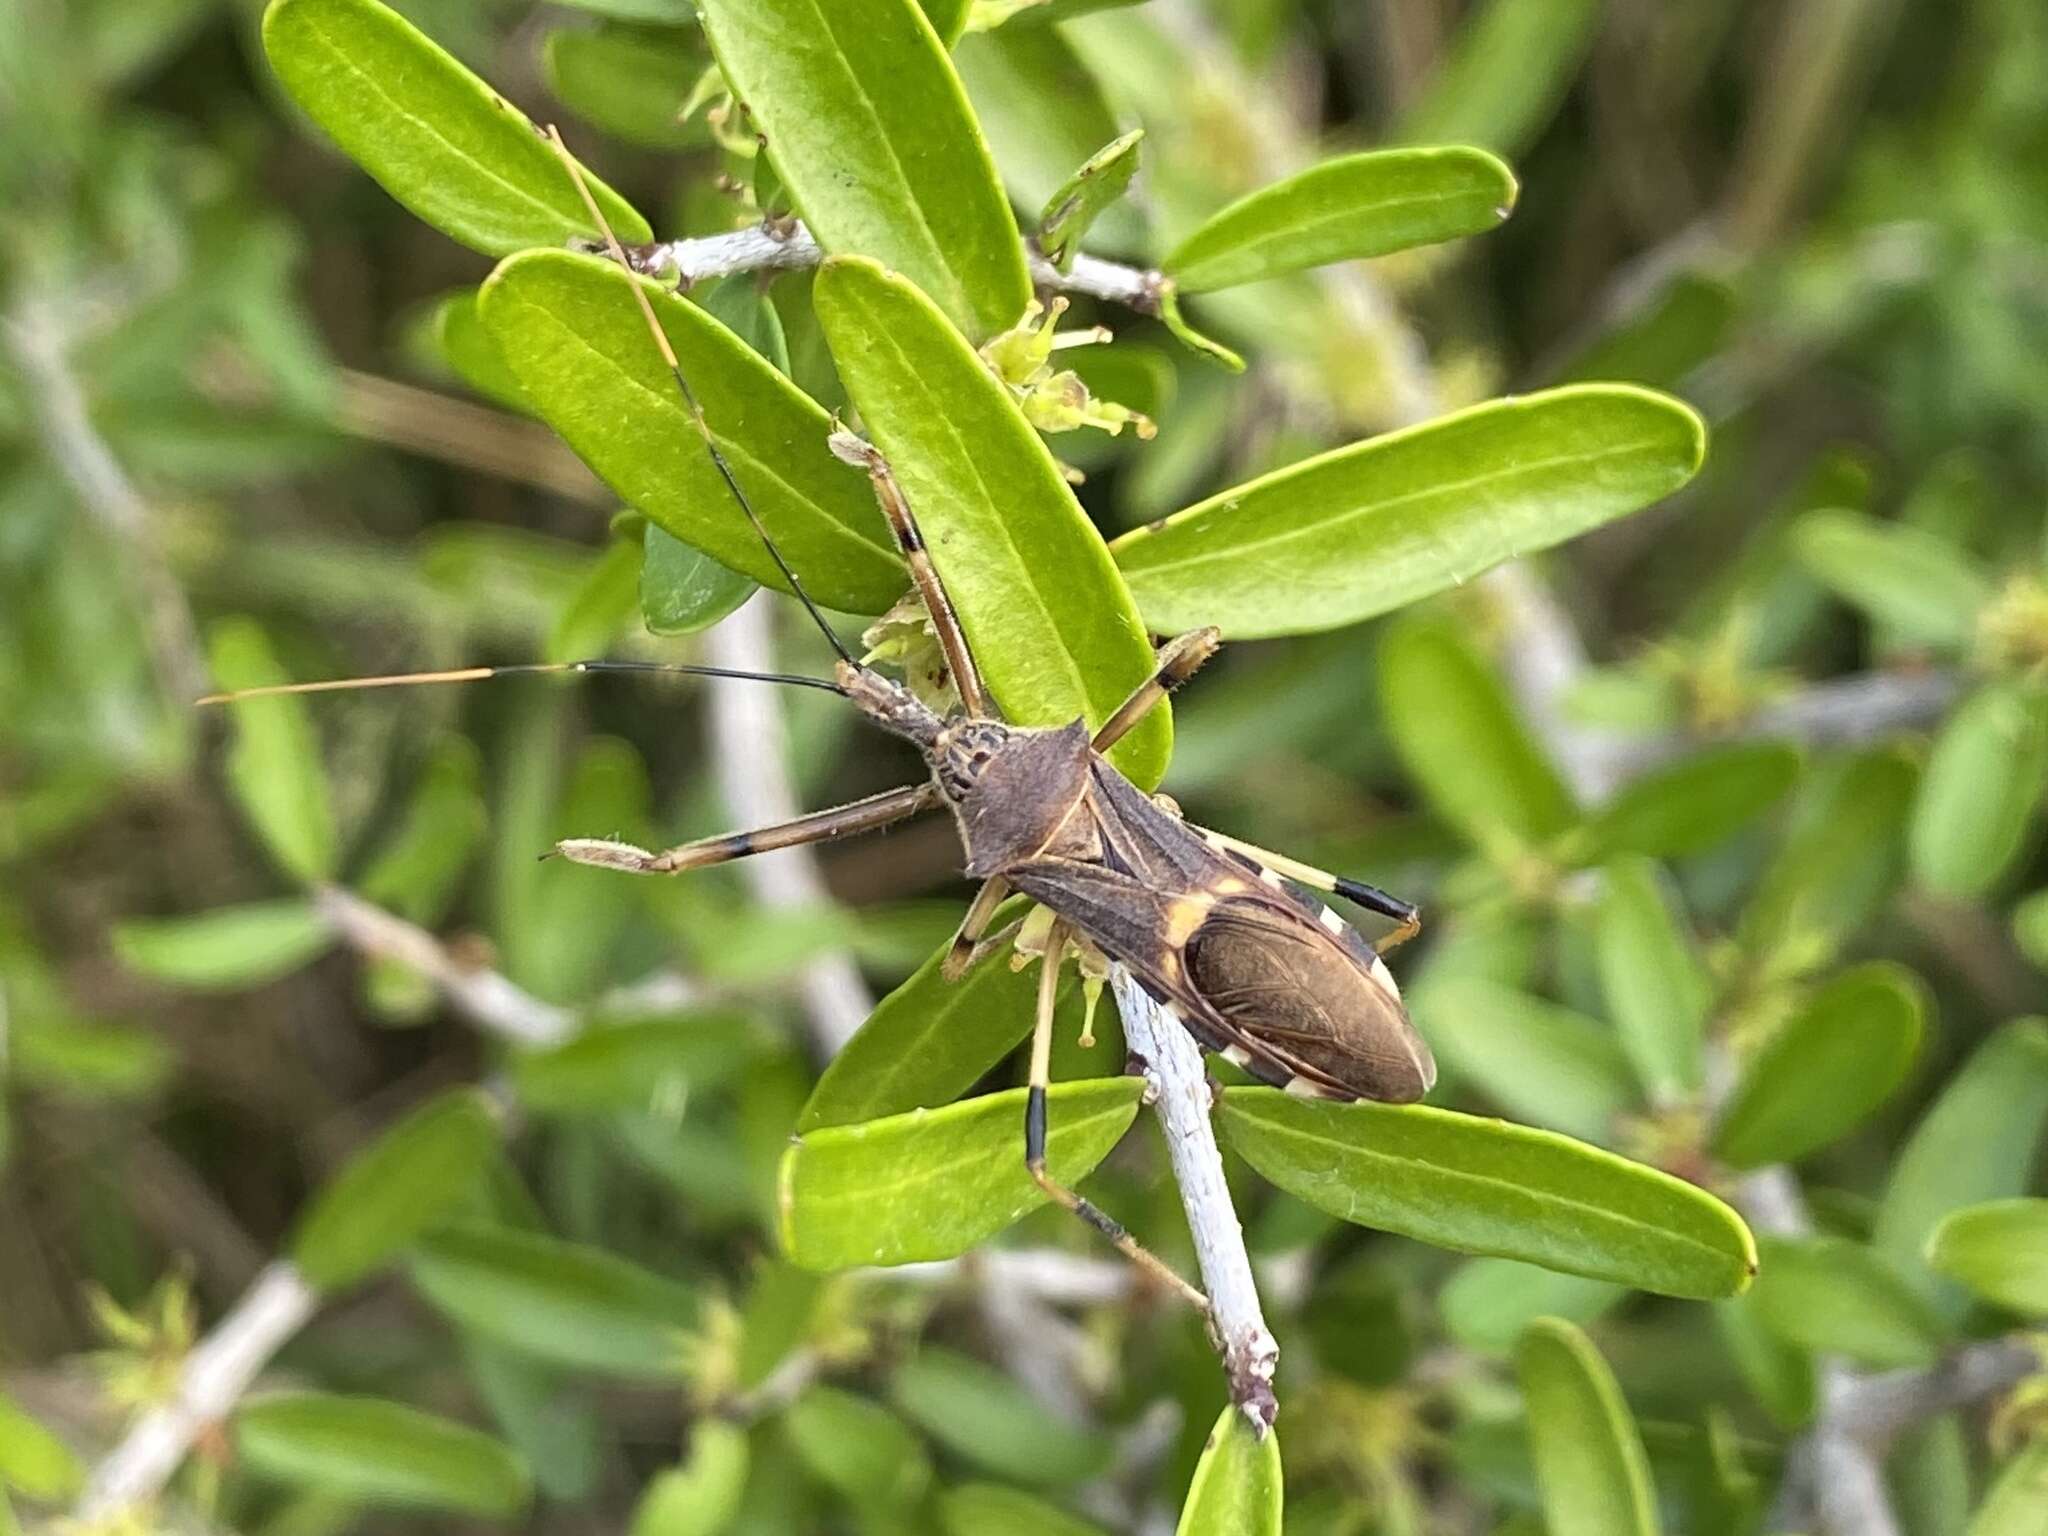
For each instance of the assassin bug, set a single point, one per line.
(1219, 932)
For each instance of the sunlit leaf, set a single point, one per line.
(1345, 209)
(932, 1183)
(988, 1420)
(1488, 1303)
(33, 1460)
(1824, 1069)
(870, 130)
(1537, 1059)
(1484, 1186)
(373, 1452)
(1084, 196)
(274, 766)
(396, 1188)
(990, 1509)
(1999, 1250)
(578, 1306)
(228, 947)
(1981, 786)
(1237, 1488)
(1656, 989)
(859, 1448)
(436, 137)
(2012, 1506)
(1833, 1296)
(1590, 1464)
(682, 589)
(1378, 524)
(568, 328)
(630, 81)
(1052, 628)
(455, 335)
(702, 1496)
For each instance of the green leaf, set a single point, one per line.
(1053, 630)
(1920, 585)
(1504, 74)
(1977, 1142)
(1832, 1296)
(1082, 198)
(229, 947)
(2012, 1506)
(1483, 1186)
(1839, 861)
(33, 1461)
(682, 589)
(1999, 1250)
(1488, 1303)
(932, 1183)
(870, 129)
(1210, 349)
(1538, 1060)
(598, 610)
(417, 869)
(989, 1509)
(454, 332)
(569, 330)
(633, 1067)
(433, 135)
(373, 1452)
(1237, 1488)
(860, 1449)
(630, 81)
(931, 1039)
(274, 766)
(1779, 1375)
(701, 1497)
(1656, 989)
(577, 1306)
(1824, 1069)
(1695, 804)
(1662, 336)
(674, 12)
(1979, 792)
(2030, 928)
(396, 1188)
(1385, 522)
(989, 1421)
(1345, 209)
(1591, 1469)
(1465, 749)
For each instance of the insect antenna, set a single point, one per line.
(675, 368)
(517, 669)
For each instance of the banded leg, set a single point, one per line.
(923, 574)
(1179, 660)
(885, 809)
(1406, 915)
(968, 945)
(1034, 1138)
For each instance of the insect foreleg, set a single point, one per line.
(1406, 915)
(875, 811)
(1179, 659)
(1035, 1130)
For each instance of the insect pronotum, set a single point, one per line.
(1221, 933)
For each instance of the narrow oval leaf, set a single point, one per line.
(373, 1452)
(1832, 1296)
(1825, 1068)
(1079, 200)
(1980, 789)
(1370, 527)
(1464, 746)
(1237, 1489)
(932, 1183)
(1050, 623)
(33, 1461)
(1999, 1250)
(1488, 1303)
(453, 332)
(988, 1420)
(990, 1509)
(702, 1496)
(1345, 209)
(2012, 1506)
(859, 1448)
(274, 765)
(870, 130)
(1977, 1142)
(2030, 928)
(634, 1067)
(1915, 582)
(1695, 804)
(396, 1188)
(1504, 74)
(569, 330)
(1484, 1186)
(630, 81)
(1591, 1468)
(682, 589)
(227, 947)
(932, 1039)
(433, 135)
(1536, 1059)
(574, 1305)
(1656, 989)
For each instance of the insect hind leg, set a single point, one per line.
(1407, 917)
(1035, 1136)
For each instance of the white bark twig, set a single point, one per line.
(1180, 1086)
(216, 1374)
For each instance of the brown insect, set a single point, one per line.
(1219, 932)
